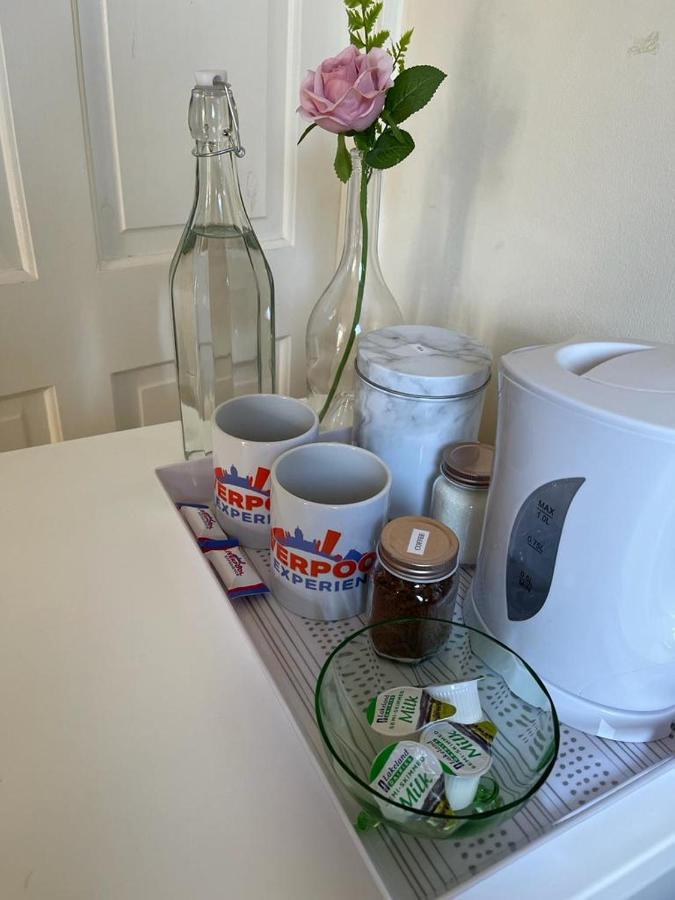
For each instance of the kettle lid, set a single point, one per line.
(629, 383)
(651, 369)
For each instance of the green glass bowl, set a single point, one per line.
(512, 696)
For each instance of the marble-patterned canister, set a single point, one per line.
(419, 388)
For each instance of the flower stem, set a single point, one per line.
(363, 208)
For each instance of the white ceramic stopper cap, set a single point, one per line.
(209, 77)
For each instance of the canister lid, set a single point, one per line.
(418, 548)
(423, 361)
(469, 463)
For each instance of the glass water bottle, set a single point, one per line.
(331, 320)
(221, 286)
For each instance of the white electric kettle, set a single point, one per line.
(576, 570)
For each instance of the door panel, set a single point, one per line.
(17, 259)
(96, 180)
(29, 418)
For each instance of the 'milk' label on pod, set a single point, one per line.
(405, 710)
(461, 749)
(408, 774)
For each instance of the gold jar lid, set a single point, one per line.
(469, 463)
(418, 548)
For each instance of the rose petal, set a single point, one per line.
(368, 116)
(308, 80)
(311, 101)
(328, 123)
(336, 86)
(317, 86)
(365, 83)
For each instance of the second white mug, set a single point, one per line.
(329, 504)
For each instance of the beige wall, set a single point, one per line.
(540, 202)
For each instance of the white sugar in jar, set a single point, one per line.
(460, 492)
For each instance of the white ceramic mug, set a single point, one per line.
(329, 504)
(249, 433)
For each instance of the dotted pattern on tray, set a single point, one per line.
(294, 649)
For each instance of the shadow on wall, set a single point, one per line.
(461, 148)
(538, 203)
(509, 338)
(476, 136)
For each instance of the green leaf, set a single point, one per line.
(402, 48)
(364, 140)
(389, 150)
(378, 39)
(356, 41)
(388, 118)
(343, 161)
(412, 90)
(404, 43)
(353, 4)
(372, 15)
(305, 133)
(355, 20)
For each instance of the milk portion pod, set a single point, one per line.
(404, 711)
(464, 752)
(410, 774)
(461, 694)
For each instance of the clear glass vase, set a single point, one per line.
(332, 318)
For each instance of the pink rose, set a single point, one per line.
(346, 93)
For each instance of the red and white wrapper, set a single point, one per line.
(204, 526)
(236, 571)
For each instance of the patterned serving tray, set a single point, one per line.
(294, 649)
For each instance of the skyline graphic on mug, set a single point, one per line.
(255, 482)
(313, 563)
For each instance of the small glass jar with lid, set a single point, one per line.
(460, 493)
(415, 575)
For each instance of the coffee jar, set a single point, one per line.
(418, 389)
(415, 575)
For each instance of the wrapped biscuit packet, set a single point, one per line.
(236, 571)
(204, 526)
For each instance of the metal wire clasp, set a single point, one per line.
(234, 135)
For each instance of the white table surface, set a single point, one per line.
(145, 752)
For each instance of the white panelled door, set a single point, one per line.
(96, 181)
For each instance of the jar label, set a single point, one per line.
(418, 541)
